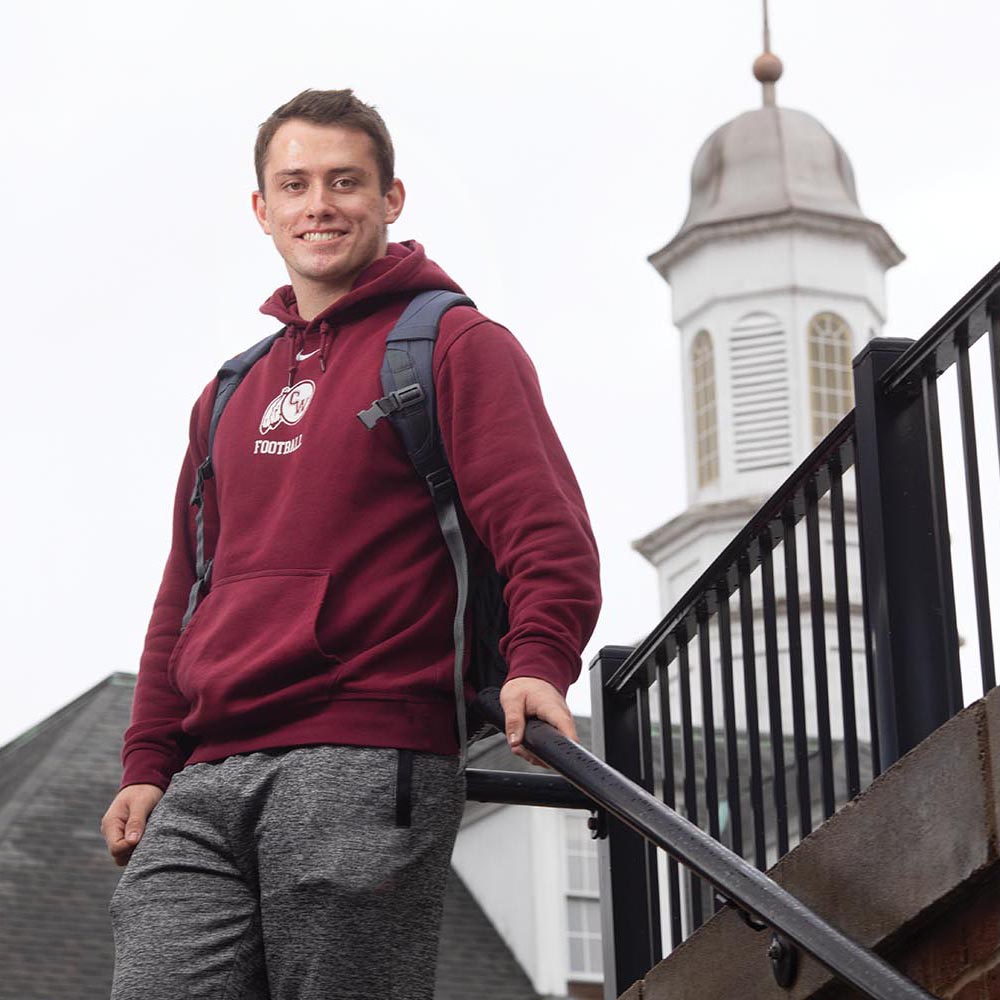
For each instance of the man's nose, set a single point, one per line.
(320, 202)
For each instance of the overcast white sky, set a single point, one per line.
(546, 149)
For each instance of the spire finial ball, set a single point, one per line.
(767, 68)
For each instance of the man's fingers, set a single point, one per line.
(514, 721)
(113, 824)
(134, 827)
(121, 852)
(527, 696)
(558, 716)
(125, 821)
(113, 828)
(529, 757)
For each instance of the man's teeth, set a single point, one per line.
(318, 237)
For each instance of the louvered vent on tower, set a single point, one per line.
(762, 432)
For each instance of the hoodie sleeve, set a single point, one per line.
(521, 498)
(154, 747)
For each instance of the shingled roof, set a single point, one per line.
(56, 877)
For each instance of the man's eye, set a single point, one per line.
(293, 186)
(344, 183)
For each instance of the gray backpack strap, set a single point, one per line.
(230, 375)
(410, 403)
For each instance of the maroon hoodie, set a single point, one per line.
(329, 618)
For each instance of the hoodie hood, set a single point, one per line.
(405, 269)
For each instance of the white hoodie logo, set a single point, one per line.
(289, 406)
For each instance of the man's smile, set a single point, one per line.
(316, 236)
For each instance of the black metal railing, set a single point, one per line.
(761, 901)
(771, 694)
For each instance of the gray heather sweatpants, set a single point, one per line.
(291, 875)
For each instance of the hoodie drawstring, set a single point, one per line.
(296, 340)
(326, 339)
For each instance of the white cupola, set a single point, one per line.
(778, 280)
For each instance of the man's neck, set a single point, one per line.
(312, 300)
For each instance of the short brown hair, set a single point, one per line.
(330, 107)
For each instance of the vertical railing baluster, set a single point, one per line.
(993, 311)
(817, 607)
(690, 765)
(974, 499)
(949, 664)
(753, 725)
(708, 724)
(866, 618)
(630, 895)
(795, 668)
(733, 791)
(769, 605)
(872, 712)
(845, 640)
(669, 792)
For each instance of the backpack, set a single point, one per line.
(410, 405)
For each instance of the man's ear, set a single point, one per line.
(394, 199)
(260, 211)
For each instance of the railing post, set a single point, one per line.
(906, 558)
(630, 901)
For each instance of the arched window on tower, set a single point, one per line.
(830, 380)
(706, 427)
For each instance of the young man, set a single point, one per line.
(291, 792)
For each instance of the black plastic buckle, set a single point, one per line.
(407, 396)
(398, 399)
(203, 472)
(440, 483)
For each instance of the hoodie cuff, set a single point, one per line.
(546, 662)
(148, 767)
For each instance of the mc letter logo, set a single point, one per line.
(289, 406)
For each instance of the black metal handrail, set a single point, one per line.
(523, 788)
(936, 351)
(759, 897)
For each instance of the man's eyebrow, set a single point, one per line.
(300, 172)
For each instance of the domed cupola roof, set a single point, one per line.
(768, 161)
(769, 169)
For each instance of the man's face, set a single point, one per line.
(324, 207)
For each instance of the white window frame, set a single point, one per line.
(576, 833)
(705, 408)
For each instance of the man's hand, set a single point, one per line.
(125, 820)
(523, 697)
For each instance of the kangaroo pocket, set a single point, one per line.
(250, 657)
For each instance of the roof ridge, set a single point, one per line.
(83, 708)
(119, 677)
